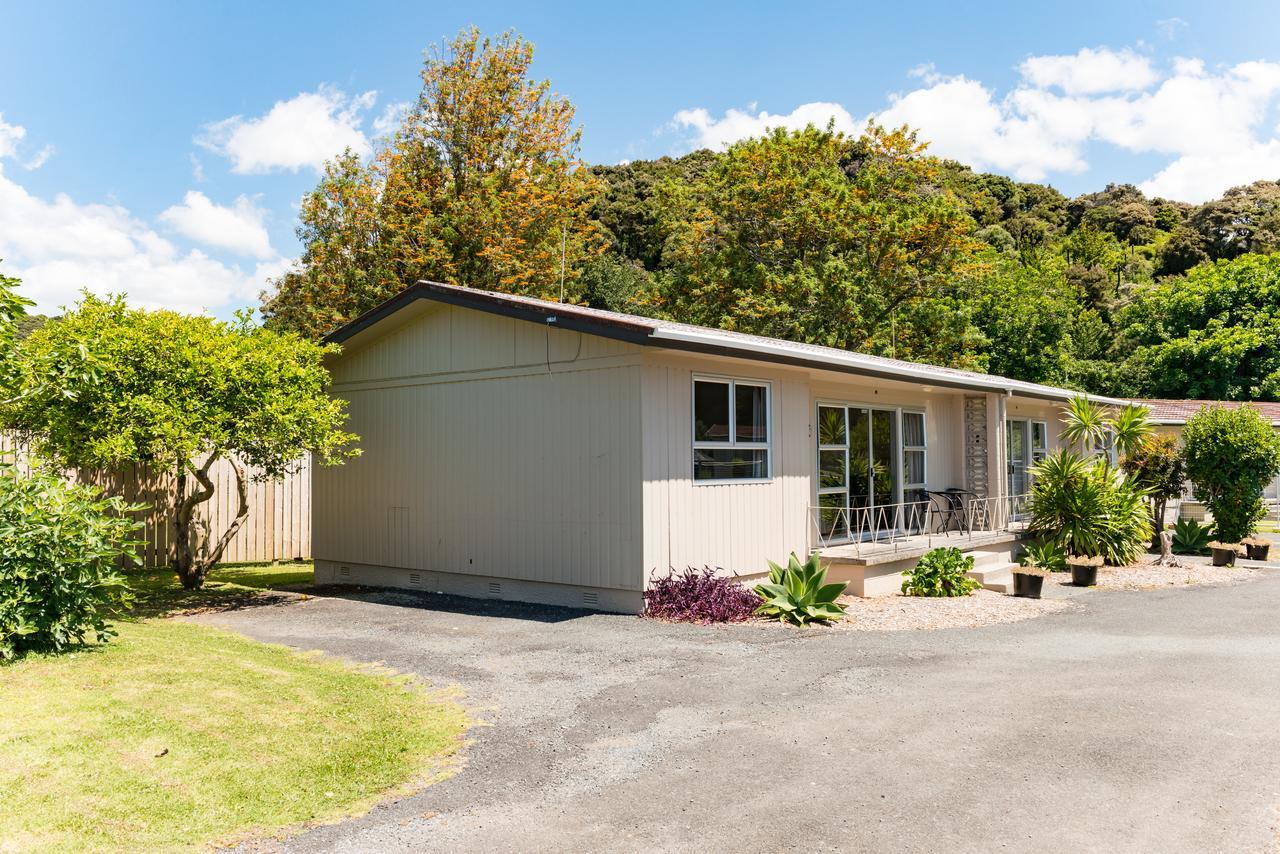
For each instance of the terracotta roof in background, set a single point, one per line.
(1178, 411)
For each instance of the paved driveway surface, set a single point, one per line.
(1146, 721)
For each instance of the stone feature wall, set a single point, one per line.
(975, 445)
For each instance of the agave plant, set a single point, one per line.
(1190, 537)
(1047, 555)
(799, 594)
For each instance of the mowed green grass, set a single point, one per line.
(176, 735)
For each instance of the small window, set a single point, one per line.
(730, 430)
(914, 452)
(1039, 441)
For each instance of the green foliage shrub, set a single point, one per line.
(59, 565)
(1231, 456)
(799, 594)
(1089, 508)
(941, 572)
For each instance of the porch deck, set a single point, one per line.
(915, 545)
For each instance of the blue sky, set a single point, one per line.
(139, 149)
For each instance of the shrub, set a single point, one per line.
(698, 596)
(1156, 466)
(1190, 537)
(1088, 508)
(941, 572)
(59, 575)
(1231, 456)
(798, 593)
(1047, 555)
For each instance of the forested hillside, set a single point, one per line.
(866, 243)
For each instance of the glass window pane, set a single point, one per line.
(831, 429)
(914, 465)
(730, 464)
(710, 411)
(1039, 441)
(913, 429)
(751, 413)
(831, 469)
(832, 519)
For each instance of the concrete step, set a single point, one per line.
(997, 576)
(985, 558)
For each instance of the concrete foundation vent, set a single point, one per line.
(415, 579)
(591, 598)
(344, 571)
(495, 588)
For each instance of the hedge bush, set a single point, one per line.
(941, 572)
(60, 558)
(1231, 455)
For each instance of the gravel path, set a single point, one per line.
(906, 613)
(1149, 577)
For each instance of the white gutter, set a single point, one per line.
(925, 374)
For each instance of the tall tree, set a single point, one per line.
(480, 186)
(813, 236)
(107, 384)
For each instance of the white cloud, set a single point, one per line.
(58, 247)
(299, 133)
(238, 228)
(39, 158)
(1090, 71)
(740, 124)
(392, 114)
(10, 136)
(1216, 126)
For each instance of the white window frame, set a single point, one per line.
(923, 448)
(733, 443)
(1038, 454)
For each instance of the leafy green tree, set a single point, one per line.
(480, 186)
(1183, 250)
(616, 284)
(1246, 219)
(108, 385)
(631, 207)
(812, 236)
(1156, 465)
(1231, 455)
(1214, 334)
(13, 312)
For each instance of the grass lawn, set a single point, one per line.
(176, 735)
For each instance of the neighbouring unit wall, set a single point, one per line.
(500, 458)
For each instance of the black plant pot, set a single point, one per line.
(1083, 575)
(1258, 551)
(1225, 557)
(1028, 586)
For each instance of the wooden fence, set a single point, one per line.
(278, 526)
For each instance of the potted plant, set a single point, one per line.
(1084, 569)
(1257, 547)
(1028, 581)
(1038, 560)
(1224, 554)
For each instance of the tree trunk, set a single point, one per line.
(1166, 550)
(192, 555)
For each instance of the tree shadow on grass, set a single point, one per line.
(158, 593)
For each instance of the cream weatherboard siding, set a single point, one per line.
(500, 457)
(737, 527)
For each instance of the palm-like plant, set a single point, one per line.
(1130, 426)
(1085, 423)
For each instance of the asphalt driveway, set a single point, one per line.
(1142, 721)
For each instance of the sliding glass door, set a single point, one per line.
(858, 471)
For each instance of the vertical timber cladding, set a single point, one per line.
(975, 445)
